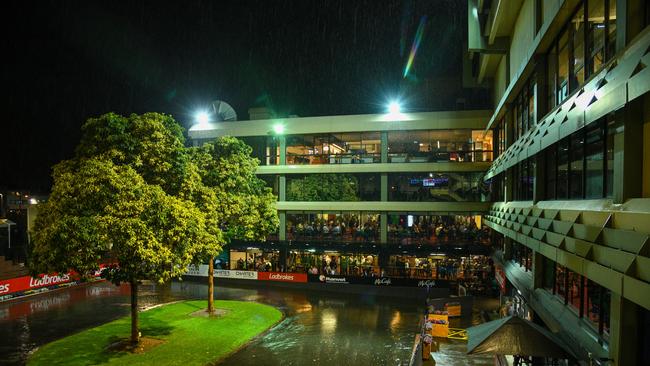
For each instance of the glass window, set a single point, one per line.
(440, 145)
(551, 180)
(578, 37)
(560, 281)
(611, 29)
(432, 229)
(531, 117)
(338, 148)
(551, 77)
(435, 187)
(574, 291)
(333, 187)
(576, 172)
(594, 161)
(562, 169)
(265, 149)
(596, 34)
(336, 227)
(563, 67)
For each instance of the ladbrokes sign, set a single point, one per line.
(25, 283)
(282, 277)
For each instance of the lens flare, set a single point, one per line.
(416, 44)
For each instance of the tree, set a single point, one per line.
(152, 144)
(120, 197)
(324, 187)
(97, 208)
(239, 204)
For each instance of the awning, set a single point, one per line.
(515, 336)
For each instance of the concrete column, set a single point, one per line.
(282, 188)
(383, 187)
(623, 331)
(282, 196)
(383, 228)
(628, 148)
(282, 230)
(282, 141)
(384, 147)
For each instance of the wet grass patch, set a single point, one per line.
(172, 334)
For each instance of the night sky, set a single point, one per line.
(66, 61)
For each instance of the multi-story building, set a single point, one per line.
(396, 194)
(571, 179)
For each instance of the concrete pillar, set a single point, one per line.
(383, 187)
(628, 148)
(623, 331)
(282, 141)
(282, 230)
(383, 228)
(384, 147)
(282, 188)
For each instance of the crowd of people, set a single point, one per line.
(422, 230)
(448, 268)
(438, 232)
(339, 229)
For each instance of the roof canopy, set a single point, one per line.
(515, 336)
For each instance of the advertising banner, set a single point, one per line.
(282, 277)
(378, 281)
(202, 271)
(240, 275)
(27, 283)
(344, 280)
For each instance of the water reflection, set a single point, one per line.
(319, 328)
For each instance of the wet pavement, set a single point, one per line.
(319, 329)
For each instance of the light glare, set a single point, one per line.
(202, 117)
(394, 107)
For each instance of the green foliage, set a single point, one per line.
(151, 143)
(246, 207)
(323, 187)
(98, 208)
(119, 199)
(188, 340)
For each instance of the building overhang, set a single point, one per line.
(475, 119)
(378, 206)
(374, 168)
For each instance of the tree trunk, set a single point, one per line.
(135, 333)
(211, 286)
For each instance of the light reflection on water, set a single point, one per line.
(319, 328)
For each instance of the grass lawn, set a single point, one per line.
(187, 340)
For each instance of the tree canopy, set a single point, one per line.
(119, 199)
(324, 187)
(98, 209)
